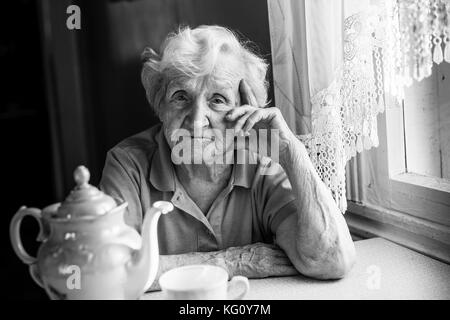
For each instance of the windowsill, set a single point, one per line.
(429, 238)
(434, 183)
(423, 197)
(403, 274)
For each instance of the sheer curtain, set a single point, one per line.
(333, 61)
(326, 79)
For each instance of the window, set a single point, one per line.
(401, 190)
(418, 147)
(426, 110)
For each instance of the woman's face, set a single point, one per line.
(194, 109)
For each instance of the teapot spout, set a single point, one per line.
(144, 265)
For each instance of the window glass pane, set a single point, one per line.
(427, 124)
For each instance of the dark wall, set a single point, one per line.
(25, 156)
(115, 34)
(112, 37)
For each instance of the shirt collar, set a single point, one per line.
(162, 173)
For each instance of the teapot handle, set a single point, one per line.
(14, 232)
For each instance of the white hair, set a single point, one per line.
(194, 53)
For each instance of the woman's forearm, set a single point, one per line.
(256, 260)
(323, 240)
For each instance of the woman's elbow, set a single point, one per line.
(335, 265)
(344, 263)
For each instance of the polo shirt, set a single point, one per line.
(249, 209)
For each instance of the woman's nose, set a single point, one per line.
(198, 115)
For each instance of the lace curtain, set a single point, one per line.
(333, 62)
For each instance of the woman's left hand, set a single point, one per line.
(249, 116)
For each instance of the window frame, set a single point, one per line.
(421, 196)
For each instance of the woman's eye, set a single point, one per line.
(218, 100)
(179, 96)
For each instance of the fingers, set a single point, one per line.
(241, 122)
(246, 94)
(246, 117)
(235, 113)
(239, 116)
(254, 118)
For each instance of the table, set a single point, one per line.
(384, 270)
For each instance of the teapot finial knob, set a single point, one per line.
(81, 176)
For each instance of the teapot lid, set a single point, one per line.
(85, 200)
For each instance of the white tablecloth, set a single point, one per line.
(383, 270)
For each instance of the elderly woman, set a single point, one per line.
(234, 213)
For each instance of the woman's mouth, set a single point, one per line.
(202, 138)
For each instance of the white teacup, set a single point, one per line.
(201, 282)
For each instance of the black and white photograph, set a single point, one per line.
(242, 151)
